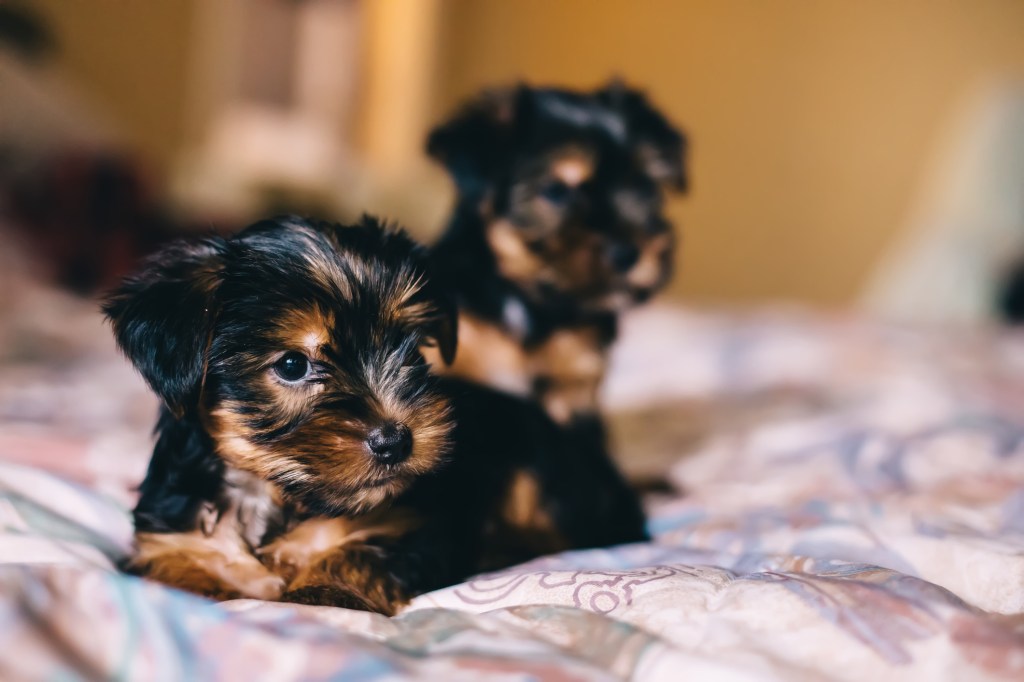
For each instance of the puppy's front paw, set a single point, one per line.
(267, 588)
(283, 557)
(331, 595)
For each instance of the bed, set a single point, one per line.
(849, 505)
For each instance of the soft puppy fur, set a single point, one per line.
(305, 452)
(558, 226)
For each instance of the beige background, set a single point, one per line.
(812, 121)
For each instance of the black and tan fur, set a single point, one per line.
(305, 452)
(558, 227)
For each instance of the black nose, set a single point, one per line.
(623, 256)
(390, 443)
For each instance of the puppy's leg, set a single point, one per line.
(567, 371)
(357, 576)
(217, 564)
(593, 503)
(351, 563)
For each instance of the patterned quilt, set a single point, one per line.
(850, 507)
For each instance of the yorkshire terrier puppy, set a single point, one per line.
(304, 450)
(558, 226)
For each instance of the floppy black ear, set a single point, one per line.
(163, 316)
(437, 313)
(427, 307)
(443, 327)
(477, 140)
(659, 146)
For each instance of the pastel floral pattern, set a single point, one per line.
(853, 509)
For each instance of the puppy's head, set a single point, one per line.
(570, 187)
(297, 345)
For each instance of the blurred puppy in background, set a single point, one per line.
(558, 227)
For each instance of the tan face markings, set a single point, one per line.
(515, 260)
(545, 244)
(658, 167)
(633, 208)
(327, 453)
(305, 330)
(570, 260)
(233, 440)
(650, 267)
(573, 167)
(321, 264)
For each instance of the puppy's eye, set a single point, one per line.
(292, 367)
(555, 191)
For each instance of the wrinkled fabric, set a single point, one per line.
(850, 506)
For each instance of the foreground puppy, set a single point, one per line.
(558, 227)
(304, 451)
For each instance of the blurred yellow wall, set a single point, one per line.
(811, 120)
(131, 58)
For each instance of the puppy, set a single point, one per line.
(304, 451)
(558, 226)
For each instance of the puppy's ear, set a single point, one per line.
(477, 140)
(444, 327)
(163, 316)
(659, 146)
(424, 305)
(433, 312)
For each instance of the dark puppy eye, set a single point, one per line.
(292, 366)
(555, 191)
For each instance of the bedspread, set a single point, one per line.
(850, 506)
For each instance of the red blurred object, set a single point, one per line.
(89, 217)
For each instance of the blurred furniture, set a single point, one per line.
(952, 260)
